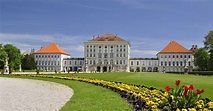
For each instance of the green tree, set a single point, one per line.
(3, 57)
(201, 59)
(208, 42)
(14, 56)
(28, 62)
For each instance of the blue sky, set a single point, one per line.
(148, 25)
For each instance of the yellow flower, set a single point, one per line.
(192, 109)
(199, 106)
(177, 109)
(210, 104)
(184, 110)
(205, 109)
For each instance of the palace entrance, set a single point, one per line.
(98, 69)
(104, 69)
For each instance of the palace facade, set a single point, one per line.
(110, 53)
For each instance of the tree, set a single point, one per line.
(3, 57)
(28, 62)
(208, 42)
(201, 59)
(14, 56)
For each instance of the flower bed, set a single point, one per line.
(184, 98)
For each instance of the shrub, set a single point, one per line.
(202, 73)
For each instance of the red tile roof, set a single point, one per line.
(108, 37)
(174, 47)
(51, 49)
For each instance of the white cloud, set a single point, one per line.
(28, 41)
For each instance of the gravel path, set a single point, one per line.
(32, 95)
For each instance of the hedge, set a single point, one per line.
(202, 73)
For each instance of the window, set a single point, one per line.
(165, 63)
(124, 49)
(120, 55)
(177, 64)
(90, 55)
(93, 55)
(105, 46)
(124, 62)
(189, 56)
(169, 56)
(137, 63)
(75, 62)
(161, 63)
(111, 46)
(189, 63)
(70, 62)
(173, 63)
(181, 63)
(99, 55)
(117, 55)
(120, 61)
(105, 55)
(165, 56)
(65, 62)
(184, 56)
(169, 63)
(177, 56)
(124, 55)
(120, 49)
(111, 55)
(131, 62)
(99, 46)
(173, 56)
(181, 56)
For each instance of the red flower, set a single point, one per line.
(198, 91)
(191, 87)
(177, 82)
(186, 88)
(167, 88)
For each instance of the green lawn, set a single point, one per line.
(158, 80)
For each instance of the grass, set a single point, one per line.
(88, 97)
(158, 80)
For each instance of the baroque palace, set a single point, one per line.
(110, 53)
